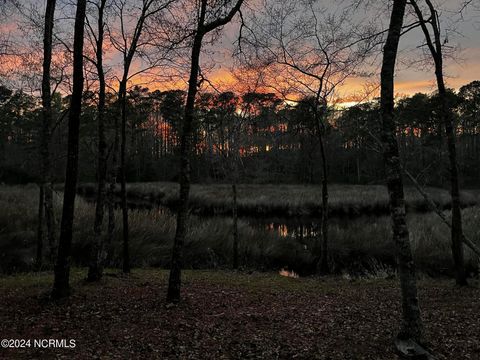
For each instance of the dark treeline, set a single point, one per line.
(276, 142)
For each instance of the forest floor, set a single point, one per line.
(230, 315)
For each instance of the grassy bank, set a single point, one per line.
(208, 242)
(360, 246)
(286, 200)
(229, 315)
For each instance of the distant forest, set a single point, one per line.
(276, 140)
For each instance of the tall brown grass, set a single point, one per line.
(359, 245)
(287, 200)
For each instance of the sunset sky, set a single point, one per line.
(461, 70)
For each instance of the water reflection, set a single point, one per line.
(288, 228)
(287, 273)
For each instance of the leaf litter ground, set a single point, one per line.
(230, 315)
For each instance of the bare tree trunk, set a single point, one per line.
(112, 179)
(39, 250)
(50, 220)
(95, 270)
(435, 46)
(46, 192)
(174, 283)
(236, 160)
(457, 232)
(123, 184)
(122, 98)
(323, 264)
(111, 220)
(61, 286)
(235, 225)
(412, 323)
(359, 177)
(128, 56)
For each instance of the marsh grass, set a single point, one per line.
(208, 242)
(360, 246)
(286, 200)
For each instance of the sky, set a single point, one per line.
(464, 38)
(463, 68)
